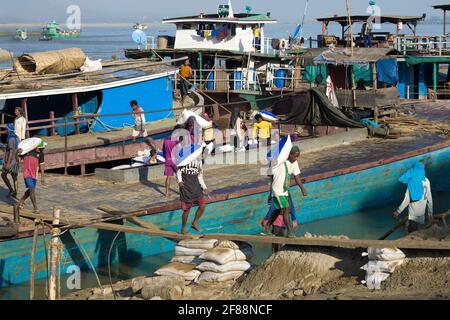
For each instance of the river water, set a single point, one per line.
(367, 224)
(105, 41)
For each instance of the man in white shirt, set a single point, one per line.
(280, 186)
(418, 198)
(20, 124)
(139, 121)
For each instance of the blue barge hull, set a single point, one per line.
(331, 194)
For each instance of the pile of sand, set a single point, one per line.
(434, 232)
(303, 271)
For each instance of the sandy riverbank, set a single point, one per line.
(315, 273)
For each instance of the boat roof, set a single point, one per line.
(343, 20)
(442, 6)
(343, 56)
(238, 18)
(114, 74)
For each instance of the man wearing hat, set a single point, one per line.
(32, 163)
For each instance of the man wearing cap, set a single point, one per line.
(32, 163)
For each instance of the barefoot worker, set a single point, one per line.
(11, 161)
(191, 183)
(139, 121)
(32, 163)
(280, 187)
(418, 197)
(170, 167)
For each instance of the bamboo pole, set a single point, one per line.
(32, 259)
(54, 252)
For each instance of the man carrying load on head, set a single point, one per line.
(33, 162)
(280, 192)
(11, 160)
(192, 191)
(418, 197)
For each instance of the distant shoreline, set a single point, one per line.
(84, 25)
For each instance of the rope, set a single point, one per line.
(109, 264)
(87, 257)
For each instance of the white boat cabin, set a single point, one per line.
(242, 32)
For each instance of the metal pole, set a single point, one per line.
(435, 81)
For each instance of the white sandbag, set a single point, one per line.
(374, 280)
(198, 243)
(227, 244)
(188, 154)
(374, 266)
(182, 251)
(209, 276)
(225, 149)
(227, 267)
(225, 255)
(280, 153)
(91, 65)
(122, 167)
(186, 114)
(187, 271)
(187, 259)
(268, 116)
(28, 145)
(384, 254)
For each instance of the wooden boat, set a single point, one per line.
(332, 193)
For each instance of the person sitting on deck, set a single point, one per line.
(11, 161)
(185, 74)
(139, 121)
(418, 198)
(192, 191)
(20, 124)
(281, 183)
(170, 167)
(32, 163)
(261, 130)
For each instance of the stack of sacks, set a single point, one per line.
(227, 261)
(382, 262)
(186, 258)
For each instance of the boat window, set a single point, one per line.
(186, 26)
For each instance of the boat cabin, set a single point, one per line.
(242, 32)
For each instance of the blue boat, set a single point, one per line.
(106, 92)
(330, 194)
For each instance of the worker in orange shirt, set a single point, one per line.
(185, 74)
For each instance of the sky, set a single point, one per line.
(121, 11)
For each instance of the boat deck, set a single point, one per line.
(79, 197)
(95, 147)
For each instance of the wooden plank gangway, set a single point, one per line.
(149, 229)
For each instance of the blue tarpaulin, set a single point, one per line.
(387, 70)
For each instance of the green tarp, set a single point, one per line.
(311, 73)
